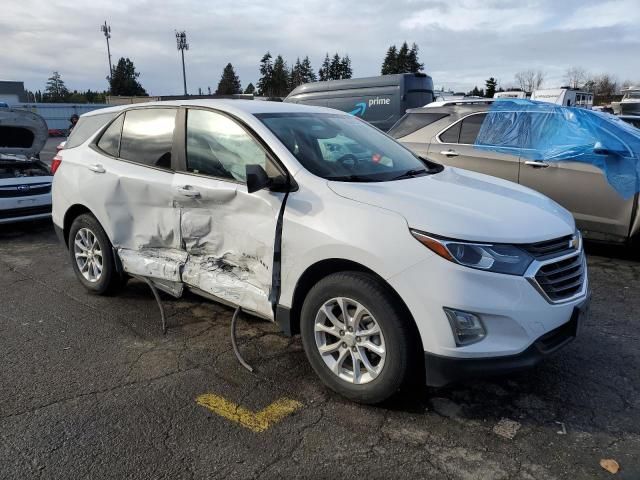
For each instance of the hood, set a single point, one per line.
(22, 132)
(465, 205)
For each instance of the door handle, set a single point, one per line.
(96, 167)
(188, 191)
(536, 164)
(449, 153)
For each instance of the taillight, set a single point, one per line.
(55, 163)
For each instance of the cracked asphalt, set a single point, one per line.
(90, 388)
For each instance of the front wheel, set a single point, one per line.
(356, 337)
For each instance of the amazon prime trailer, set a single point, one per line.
(380, 101)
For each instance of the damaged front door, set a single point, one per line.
(227, 233)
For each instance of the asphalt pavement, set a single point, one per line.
(91, 388)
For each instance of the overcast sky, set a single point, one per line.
(461, 42)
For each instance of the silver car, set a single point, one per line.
(447, 135)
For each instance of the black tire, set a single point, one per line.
(391, 318)
(110, 281)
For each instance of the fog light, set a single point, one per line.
(467, 328)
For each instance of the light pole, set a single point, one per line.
(106, 29)
(181, 40)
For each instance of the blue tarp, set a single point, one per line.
(550, 133)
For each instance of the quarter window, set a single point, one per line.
(452, 134)
(147, 136)
(110, 140)
(220, 147)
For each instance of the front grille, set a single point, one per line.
(562, 279)
(550, 248)
(24, 212)
(25, 190)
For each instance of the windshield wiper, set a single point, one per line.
(352, 178)
(412, 173)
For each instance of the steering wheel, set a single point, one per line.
(348, 160)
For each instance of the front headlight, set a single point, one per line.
(497, 258)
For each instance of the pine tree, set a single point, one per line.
(390, 62)
(335, 68)
(414, 66)
(280, 78)
(306, 71)
(250, 90)
(345, 67)
(402, 65)
(55, 91)
(323, 73)
(491, 84)
(265, 84)
(124, 79)
(295, 76)
(229, 82)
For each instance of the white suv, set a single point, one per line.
(387, 264)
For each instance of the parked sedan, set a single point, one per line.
(25, 181)
(448, 135)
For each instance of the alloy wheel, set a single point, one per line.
(349, 340)
(88, 255)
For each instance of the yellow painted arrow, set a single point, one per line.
(256, 421)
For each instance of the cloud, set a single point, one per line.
(461, 42)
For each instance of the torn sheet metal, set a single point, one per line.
(229, 236)
(154, 262)
(547, 132)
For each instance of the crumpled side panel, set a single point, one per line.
(153, 262)
(229, 239)
(549, 132)
(238, 279)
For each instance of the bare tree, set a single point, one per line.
(576, 77)
(530, 80)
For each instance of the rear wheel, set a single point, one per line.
(355, 336)
(91, 256)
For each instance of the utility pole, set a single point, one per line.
(106, 29)
(181, 40)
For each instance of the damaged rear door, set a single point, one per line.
(227, 233)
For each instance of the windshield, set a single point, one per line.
(344, 148)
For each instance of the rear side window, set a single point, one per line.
(147, 136)
(470, 129)
(452, 134)
(86, 127)
(110, 140)
(412, 122)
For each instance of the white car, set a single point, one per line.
(388, 265)
(25, 181)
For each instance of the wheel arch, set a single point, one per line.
(73, 212)
(323, 268)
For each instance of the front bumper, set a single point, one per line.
(441, 370)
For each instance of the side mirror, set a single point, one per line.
(257, 178)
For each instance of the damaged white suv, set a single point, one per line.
(387, 264)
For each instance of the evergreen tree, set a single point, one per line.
(250, 90)
(491, 84)
(323, 73)
(335, 68)
(55, 91)
(402, 63)
(265, 84)
(124, 80)
(280, 78)
(345, 67)
(229, 82)
(476, 92)
(306, 71)
(295, 77)
(414, 66)
(390, 62)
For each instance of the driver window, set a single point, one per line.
(220, 147)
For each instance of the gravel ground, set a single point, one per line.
(90, 388)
